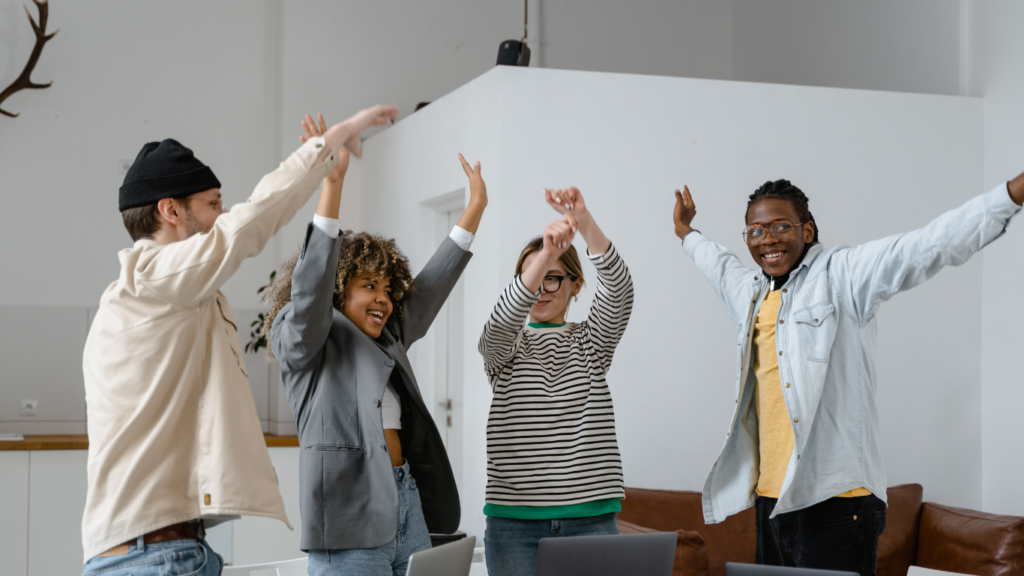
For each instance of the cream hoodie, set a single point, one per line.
(173, 430)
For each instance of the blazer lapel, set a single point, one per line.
(392, 348)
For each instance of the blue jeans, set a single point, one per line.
(391, 559)
(174, 558)
(837, 534)
(510, 546)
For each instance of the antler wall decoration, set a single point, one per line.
(24, 81)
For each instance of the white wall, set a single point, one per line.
(996, 52)
(723, 139)
(903, 45)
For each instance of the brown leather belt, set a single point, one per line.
(179, 531)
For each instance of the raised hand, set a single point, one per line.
(570, 201)
(477, 187)
(372, 116)
(312, 130)
(565, 200)
(558, 236)
(345, 134)
(684, 212)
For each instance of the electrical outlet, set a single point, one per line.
(29, 407)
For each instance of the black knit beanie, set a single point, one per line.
(164, 170)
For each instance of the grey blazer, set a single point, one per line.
(335, 376)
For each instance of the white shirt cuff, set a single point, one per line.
(326, 225)
(461, 237)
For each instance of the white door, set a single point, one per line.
(448, 344)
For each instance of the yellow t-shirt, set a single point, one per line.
(773, 423)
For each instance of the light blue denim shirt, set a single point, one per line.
(826, 337)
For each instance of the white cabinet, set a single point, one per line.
(42, 497)
(56, 500)
(14, 511)
(256, 540)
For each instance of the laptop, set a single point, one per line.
(737, 569)
(452, 559)
(622, 555)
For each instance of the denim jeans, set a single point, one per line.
(837, 534)
(510, 545)
(174, 558)
(391, 559)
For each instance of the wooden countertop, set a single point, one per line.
(81, 442)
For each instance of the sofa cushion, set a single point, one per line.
(691, 557)
(897, 547)
(733, 540)
(970, 542)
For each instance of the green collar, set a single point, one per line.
(544, 325)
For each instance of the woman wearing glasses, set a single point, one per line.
(553, 466)
(804, 445)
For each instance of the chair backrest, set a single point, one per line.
(294, 567)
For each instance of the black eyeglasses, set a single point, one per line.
(781, 229)
(553, 283)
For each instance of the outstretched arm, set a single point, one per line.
(438, 278)
(874, 272)
(720, 266)
(346, 133)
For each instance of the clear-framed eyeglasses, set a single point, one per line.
(780, 229)
(553, 283)
(216, 204)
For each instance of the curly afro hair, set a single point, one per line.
(784, 190)
(360, 253)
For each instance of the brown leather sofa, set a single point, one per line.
(916, 533)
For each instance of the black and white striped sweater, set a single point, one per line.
(551, 429)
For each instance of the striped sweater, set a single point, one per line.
(551, 429)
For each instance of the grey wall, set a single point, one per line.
(997, 50)
(901, 45)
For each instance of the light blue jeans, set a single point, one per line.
(510, 545)
(174, 558)
(391, 559)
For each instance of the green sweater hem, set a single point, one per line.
(583, 510)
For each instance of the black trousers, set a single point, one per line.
(837, 534)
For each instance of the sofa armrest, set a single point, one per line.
(691, 556)
(897, 547)
(970, 542)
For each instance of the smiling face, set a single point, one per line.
(552, 306)
(778, 256)
(368, 303)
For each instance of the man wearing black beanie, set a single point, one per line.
(175, 443)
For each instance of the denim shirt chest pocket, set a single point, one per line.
(816, 327)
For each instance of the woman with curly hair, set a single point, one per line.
(373, 472)
(553, 465)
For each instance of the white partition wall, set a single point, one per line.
(872, 163)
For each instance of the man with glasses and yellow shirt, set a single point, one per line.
(804, 445)
(174, 439)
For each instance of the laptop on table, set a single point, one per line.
(737, 569)
(622, 555)
(451, 559)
